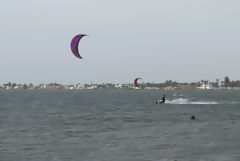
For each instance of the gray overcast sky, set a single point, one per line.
(157, 40)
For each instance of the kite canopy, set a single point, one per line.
(136, 82)
(74, 44)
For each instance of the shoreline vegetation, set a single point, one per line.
(167, 85)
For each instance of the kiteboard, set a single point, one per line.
(159, 102)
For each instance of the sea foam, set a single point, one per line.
(187, 101)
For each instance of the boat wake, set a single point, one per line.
(186, 101)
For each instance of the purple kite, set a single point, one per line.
(74, 44)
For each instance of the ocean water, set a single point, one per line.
(119, 125)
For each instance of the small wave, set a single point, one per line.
(186, 101)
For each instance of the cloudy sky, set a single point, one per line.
(157, 40)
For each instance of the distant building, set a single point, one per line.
(168, 88)
(205, 86)
(183, 86)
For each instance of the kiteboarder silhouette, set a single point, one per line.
(162, 100)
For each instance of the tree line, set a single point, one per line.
(216, 84)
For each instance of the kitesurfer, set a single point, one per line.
(162, 100)
(193, 117)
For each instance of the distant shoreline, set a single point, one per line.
(107, 86)
(167, 85)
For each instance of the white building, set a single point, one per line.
(205, 86)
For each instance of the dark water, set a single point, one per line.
(119, 125)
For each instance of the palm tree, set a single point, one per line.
(226, 81)
(217, 81)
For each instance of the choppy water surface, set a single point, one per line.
(119, 125)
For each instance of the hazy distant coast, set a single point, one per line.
(167, 85)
